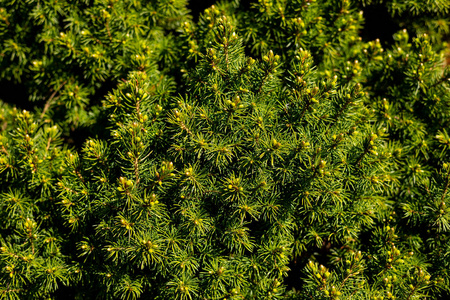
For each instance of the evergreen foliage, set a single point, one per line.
(266, 151)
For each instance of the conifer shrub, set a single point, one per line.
(261, 151)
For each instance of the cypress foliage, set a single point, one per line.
(262, 152)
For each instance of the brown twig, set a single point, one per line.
(49, 101)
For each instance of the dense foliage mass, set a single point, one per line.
(263, 151)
